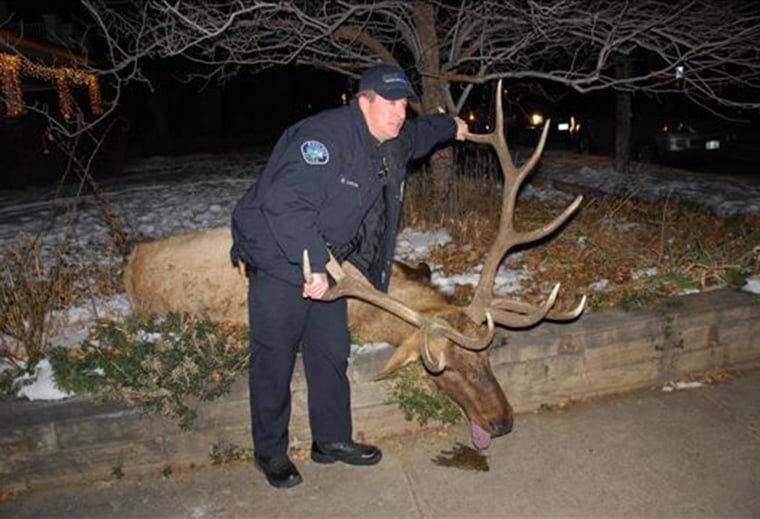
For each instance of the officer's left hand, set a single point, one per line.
(317, 286)
(461, 128)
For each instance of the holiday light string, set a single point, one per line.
(11, 85)
(12, 67)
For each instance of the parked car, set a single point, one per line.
(682, 141)
(669, 134)
(669, 141)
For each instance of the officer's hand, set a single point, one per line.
(317, 286)
(461, 128)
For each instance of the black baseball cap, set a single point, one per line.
(389, 81)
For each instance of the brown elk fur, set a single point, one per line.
(189, 273)
(193, 273)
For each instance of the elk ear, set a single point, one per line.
(408, 352)
(421, 272)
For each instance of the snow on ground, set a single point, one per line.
(724, 194)
(40, 385)
(164, 196)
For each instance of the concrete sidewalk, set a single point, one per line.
(689, 453)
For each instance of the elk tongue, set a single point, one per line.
(480, 437)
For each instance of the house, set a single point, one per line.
(44, 84)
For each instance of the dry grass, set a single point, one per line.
(29, 294)
(613, 238)
(36, 292)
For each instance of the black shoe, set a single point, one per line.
(347, 452)
(279, 470)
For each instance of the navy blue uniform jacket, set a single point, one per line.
(324, 187)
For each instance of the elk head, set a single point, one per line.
(452, 341)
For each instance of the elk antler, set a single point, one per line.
(349, 282)
(508, 312)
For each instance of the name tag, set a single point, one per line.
(348, 182)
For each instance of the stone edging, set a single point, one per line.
(44, 443)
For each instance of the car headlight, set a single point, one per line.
(536, 119)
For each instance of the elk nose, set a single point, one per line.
(501, 428)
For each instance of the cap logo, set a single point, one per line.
(393, 78)
(315, 153)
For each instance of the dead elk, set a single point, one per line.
(448, 338)
(192, 273)
(188, 273)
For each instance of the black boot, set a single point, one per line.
(278, 469)
(347, 452)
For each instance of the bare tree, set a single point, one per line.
(703, 49)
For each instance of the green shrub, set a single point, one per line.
(419, 399)
(161, 365)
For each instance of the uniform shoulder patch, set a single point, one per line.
(315, 153)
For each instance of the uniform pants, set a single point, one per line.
(281, 320)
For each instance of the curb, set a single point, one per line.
(52, 443)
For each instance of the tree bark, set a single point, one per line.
(623, 132)
(432, 97)
(623, 119)
(158, 133)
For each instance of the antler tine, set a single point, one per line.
(427, 358)
(349, 282)
(353, 284)
(568, 315)
(497, 138)
(465, 341)
(545, 230)
(469, 343)
(522, 308)
(532, 315)
(507, 237)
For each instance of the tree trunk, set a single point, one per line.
(623, 131)
(210, 112)
(432, 97)
(158, 133)
(623, 69)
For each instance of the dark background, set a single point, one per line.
(249, 111)
(171, 116)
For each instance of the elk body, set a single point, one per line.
(192, 273)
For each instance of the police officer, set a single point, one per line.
(333, 181)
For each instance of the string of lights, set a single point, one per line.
(13, 67)
(11, 84)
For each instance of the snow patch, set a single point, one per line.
(369, 348)
(166, 196)
(645, 273)
(680, 386)
(600, 285)
(752, 285)
(40, 385)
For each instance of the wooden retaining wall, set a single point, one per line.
(44, 443)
